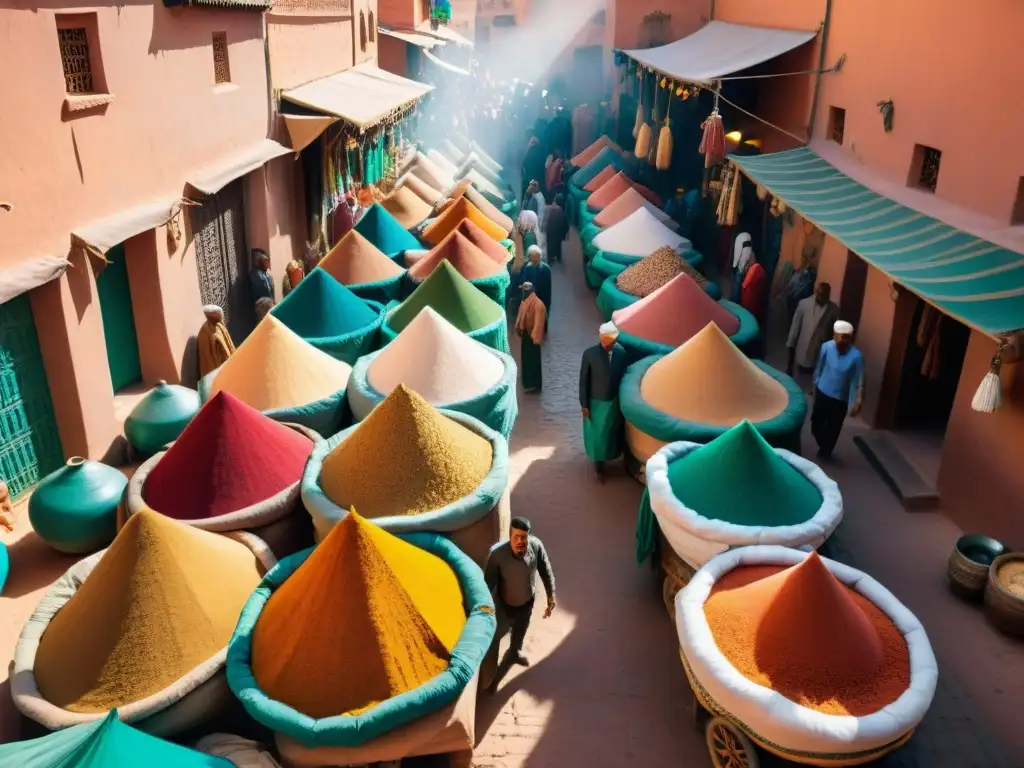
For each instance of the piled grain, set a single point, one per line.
(709, 381)
(228, 458)
(436, 361)
(802, 633)
(357, 261)
(365, 618)
(674, 313)
(453, 297)
(275, 368)
(651, 272)
(163, 599)
(406, 458)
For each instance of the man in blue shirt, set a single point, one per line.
(838, 387)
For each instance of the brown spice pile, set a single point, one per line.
(802, 633)
(651, 272)
(406, 458)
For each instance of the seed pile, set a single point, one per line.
(651, 272)
(228, 458)
(365, 618)
(163, 599)
(453, 297)
(468, 260)
(275, 368)
(738, 478)
(321, 307)
(802, 633)
(357, 261)
(1011, 576)
(709, 381)
(406, 458)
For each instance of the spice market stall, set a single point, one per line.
(646, 276)
(801, 657)
(638, 235)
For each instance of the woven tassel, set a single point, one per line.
(989, 396)
(643, 141)
(665, 147)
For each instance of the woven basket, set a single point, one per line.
(1005, 609)
(969, 563)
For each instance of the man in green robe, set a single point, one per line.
(601, 373)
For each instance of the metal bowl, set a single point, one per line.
(969, 564)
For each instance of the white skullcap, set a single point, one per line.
(843, 328)
(212, 309)
(534, 249)
(608, 329)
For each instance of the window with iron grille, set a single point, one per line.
(362, 32)
(836, 124)
(74, 56)
(927, 161)
(221, 64)
(373, 27)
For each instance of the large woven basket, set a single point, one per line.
(968, 565)
(1004, 594)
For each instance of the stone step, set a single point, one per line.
(914, 491)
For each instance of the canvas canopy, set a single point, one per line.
(444, 33)
(363, 95)
(640, 234)
(418, 39)
(211, 181)
(100, 236)
(719, 49)
(303, 130)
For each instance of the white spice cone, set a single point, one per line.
(664, 154)
(989, 396)
(643, 141)
(638, 123)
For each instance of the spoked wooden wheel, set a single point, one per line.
(728, 746)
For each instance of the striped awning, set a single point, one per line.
(973, 280)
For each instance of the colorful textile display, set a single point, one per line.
(363, 268)
(703, 388)
(411, 467)
(489, 162)
(735, 491)
(450, 151)
(487, 188)
(330, 317)
(385, 232)
(277, 372)
(582, 158)
(232, 469)
(106, 743)
(438, 158)
(816, 659)
(408, 208)
(673, 314)
(459, 210)
(368, 632)
(458, 301)
(140, 626)
(445, 367)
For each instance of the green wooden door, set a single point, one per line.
(119, 321)
(29, 441)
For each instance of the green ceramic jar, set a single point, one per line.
(160, 417)
(74, 509)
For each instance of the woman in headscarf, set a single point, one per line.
(742, 259)
(530, 322)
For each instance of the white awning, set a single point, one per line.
(100, 236)
(412, 38)
(213, 180)
(719, 49)
(445, 33)
(363, 95)
(446, 65)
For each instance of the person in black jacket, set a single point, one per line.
(601, 373)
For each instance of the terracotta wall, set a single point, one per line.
(402, 14)
(392, 55)
(686, 18)
(305, 48)
(365, 7)
(980, 478)
(275, 213)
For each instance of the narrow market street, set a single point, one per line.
(605, 686)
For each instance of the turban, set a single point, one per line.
(608, 330)
(212, 309)
(843, 328)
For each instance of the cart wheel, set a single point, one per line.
(728, 746)
(669, 589)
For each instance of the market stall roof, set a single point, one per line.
(719, 49)
(446, 66)
(363, 95)
(303, 130)
(213, 180)
(969, 278)
(445, 33)
(412, 37)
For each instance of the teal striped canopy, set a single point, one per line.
(973, 280)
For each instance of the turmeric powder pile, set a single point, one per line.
(163, 599)
(802, 633)
(365, 618)
(406, 458)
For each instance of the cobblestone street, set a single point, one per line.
(606, 687)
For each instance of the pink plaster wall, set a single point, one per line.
(305, 48)
(392, 56)
(687, 18)
(402, 14)
(366, 7)
(275, 212)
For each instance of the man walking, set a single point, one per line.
(601, 373)
(512, 568)
(811, 327)
(838, 387)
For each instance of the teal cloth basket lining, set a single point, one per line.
(494, 335)
(588, 232)
(452, 517)
(497, 408)
(782, 431)
(349, 347)
(380, 291)
(495, 286)
(638, 348)
(357, 730)
(325, 417)
(600, 269)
